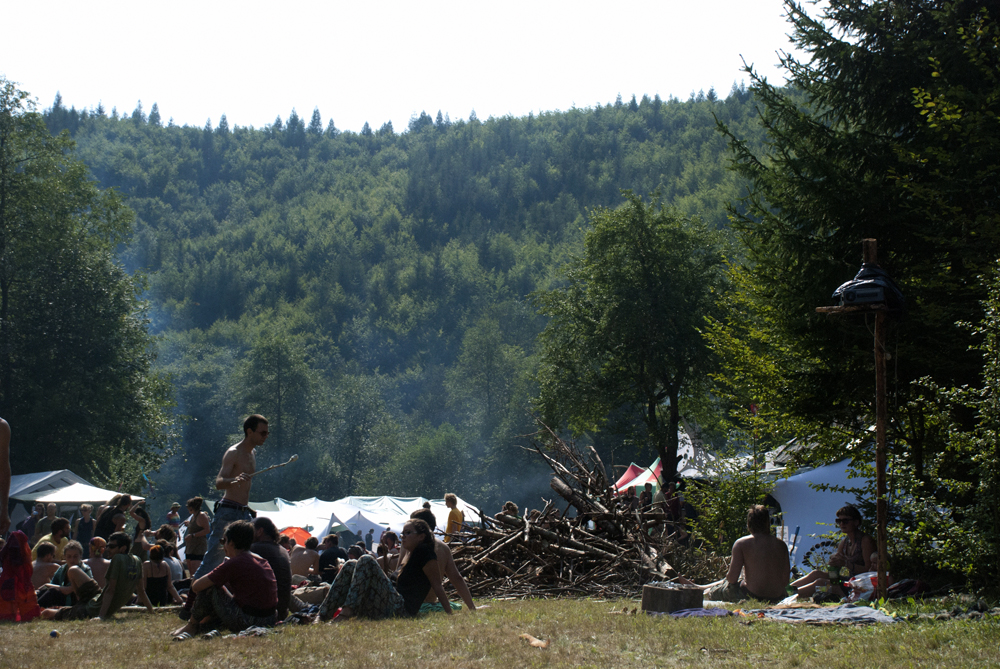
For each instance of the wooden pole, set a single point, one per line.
(870, 257)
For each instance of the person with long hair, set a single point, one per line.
(362, 588)
(196, 537)
(853, 553)
(105, 517)
(140, 545)
(157, 575)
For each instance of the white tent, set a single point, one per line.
(75, 493)
(24, 485)
(357, 514)
(813, 511)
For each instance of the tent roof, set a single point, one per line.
(630, 473)
(24, 484)
(75, 493)
(357, 514)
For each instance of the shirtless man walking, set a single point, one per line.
(763, 559)
(238, 465)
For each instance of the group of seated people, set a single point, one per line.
(261, 582)
(760, 566)
(258, 584)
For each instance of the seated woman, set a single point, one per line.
(853, 552)
(362, 588)
(159, 584)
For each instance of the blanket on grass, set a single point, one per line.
(847, 614)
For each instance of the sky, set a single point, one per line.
(382, 61)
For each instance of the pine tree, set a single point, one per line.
(315, 124)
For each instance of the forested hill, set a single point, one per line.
(368, 292)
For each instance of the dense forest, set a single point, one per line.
(406, 307)
(371, 293)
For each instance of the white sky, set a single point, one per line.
(379, 61)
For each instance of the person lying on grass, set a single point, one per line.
(253, 601)
(124, 579)
(762, 557)
(362, 588)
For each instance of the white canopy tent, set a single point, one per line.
(75, 493)
(356, 514)
(24, 485)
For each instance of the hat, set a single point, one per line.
(175, 505)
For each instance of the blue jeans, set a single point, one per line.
(215, 553)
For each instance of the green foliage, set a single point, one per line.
(723, 502)
(403, 260)
(625, 330)
(830, 179)
(888, 131)
(956, 524)
(77, 378)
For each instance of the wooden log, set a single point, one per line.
(669, 597)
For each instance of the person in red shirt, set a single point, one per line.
(248, 577)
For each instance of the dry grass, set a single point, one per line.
(582, 633)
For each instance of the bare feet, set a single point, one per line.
(190, 628)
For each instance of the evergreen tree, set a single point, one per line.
(315, 124)
(154, 115)
(855, 152)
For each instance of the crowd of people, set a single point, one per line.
(239, 572)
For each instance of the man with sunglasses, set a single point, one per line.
(124, 579)
(238, 465)
(235, 476)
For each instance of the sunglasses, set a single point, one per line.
(407, 533)
(841, 521)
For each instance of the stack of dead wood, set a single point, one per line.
(594, 548)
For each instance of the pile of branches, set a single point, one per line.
(601, 550)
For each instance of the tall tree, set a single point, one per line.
(625, 330)
(75, 355)
(855, 153)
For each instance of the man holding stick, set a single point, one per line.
(238, 467)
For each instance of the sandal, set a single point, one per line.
(214, 634)
(183, 636)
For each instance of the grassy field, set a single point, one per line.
(582, 633)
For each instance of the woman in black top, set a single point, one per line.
(362, 589)
(105, 525)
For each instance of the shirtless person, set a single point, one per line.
(238, 465)
(762, 556)
(45, 564)
(305, 560)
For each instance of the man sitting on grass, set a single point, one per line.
(305, 560)
(254, 598)
(761, 556)
(45, 565)
(61, 590)
(124, 579)
(58, 536)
